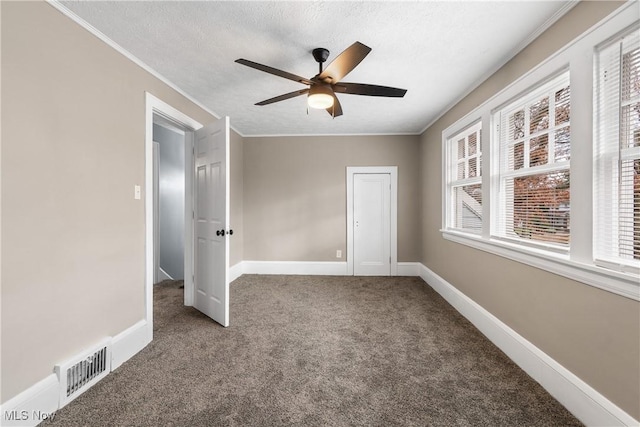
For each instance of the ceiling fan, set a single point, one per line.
(324, 85)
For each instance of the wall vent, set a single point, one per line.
(80, 373)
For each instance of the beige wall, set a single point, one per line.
(73, 132)
(593, 333)
(295, 194)
(73, 148)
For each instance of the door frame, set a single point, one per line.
(393, 173)
(153, 106)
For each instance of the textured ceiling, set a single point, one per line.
(438, 51)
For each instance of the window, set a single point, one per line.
(465, 180)
(617, 154)
(561, 157)
(534, 142)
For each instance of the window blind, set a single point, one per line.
(534, 139)
(617, 154)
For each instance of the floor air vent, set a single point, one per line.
(80, 373)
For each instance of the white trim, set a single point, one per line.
(235, 271)
(582, 400)
(409, 269)
(624, 284)
(321, 268)
(579, 264)
(129, 342)
(284, 135)
(166, 124)
(100, 35)
(41, 398)
(189, 227)
(393, 173)
(153, 106)
(44, 396)
(508, 57)
(552, 64)
(162, 275)
(318, 268)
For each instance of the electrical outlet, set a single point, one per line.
(136, 192)
(338, 253)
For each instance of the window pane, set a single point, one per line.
(539, 150)
(629, 210)
(461, 170)
(465, 201)
(468, 207)
(563, 106)
(473, 168)
(630, 74)
(473, 144)
(518, 156)
(539, 116)
(516, 125)
(539, 208)
(630, 126)
(563, 144)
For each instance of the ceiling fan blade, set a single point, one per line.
(370, 90)
(344, 63)
(336, 109)
(283, 97)
(274, 71)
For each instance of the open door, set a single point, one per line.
(211, 217)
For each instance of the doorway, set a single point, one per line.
(196, 261)
(169, 199)
(372, 200)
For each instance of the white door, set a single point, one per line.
(211, 217)
(372, 224)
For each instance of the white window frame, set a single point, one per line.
(606, 233)
(577, 263)
(498, 193)
(451, 172)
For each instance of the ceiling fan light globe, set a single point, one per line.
(321, 101)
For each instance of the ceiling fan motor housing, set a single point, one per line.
(320, 54)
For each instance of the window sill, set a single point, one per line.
(624, 284)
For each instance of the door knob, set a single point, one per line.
(230, 232)
(220, 232)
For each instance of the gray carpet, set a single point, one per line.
(316, 351)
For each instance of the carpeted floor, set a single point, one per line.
(316, 351)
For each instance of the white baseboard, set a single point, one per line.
(162, 275)
(41, 400)
(236, 271)
(409, 268)
(129, 342)
(295, 267)
(582, 400)
(34, 405)
(307, 267)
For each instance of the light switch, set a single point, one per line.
(136, 192)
